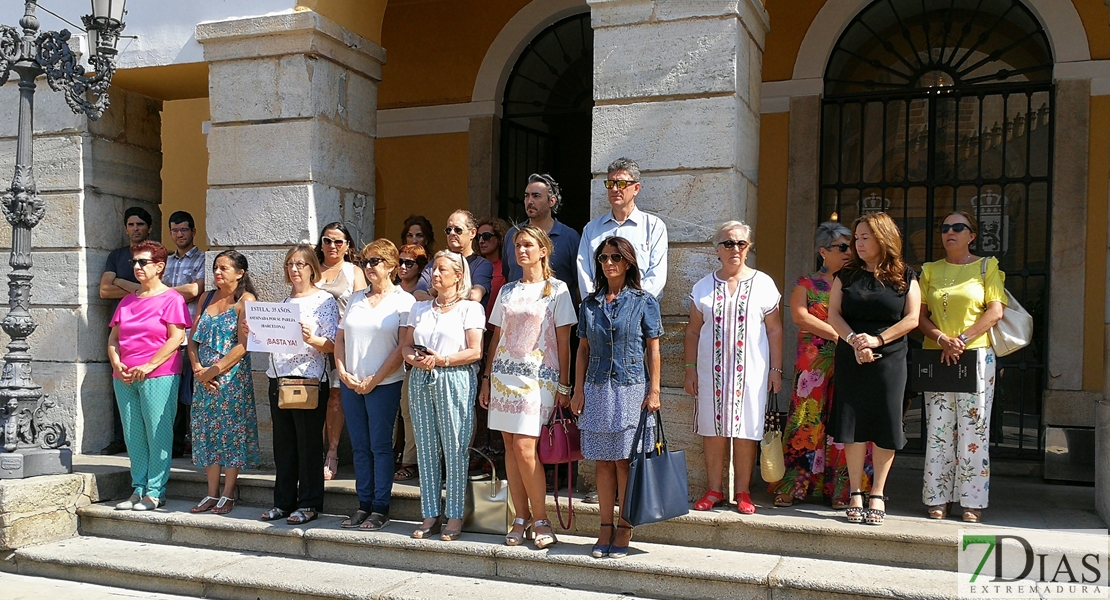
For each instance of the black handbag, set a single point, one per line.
(928, 374)
(657, 489)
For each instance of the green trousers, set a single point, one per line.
(147, 409)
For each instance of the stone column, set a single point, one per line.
(677, 88)
(88, 172)
(294, 115)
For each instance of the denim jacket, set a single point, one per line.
(617, 345)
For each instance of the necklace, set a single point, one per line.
(949, 281)
(440, 306)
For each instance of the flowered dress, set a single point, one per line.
(225, 428)
(815, 464)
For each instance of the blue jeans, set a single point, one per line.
(370, 418)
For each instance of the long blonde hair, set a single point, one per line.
(544, 241)
(891, 269)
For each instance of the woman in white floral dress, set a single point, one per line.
(528, 375)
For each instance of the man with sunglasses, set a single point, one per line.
(118, 281)
(461, 230)
(542, 201)
(646, 232)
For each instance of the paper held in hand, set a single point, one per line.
(274, 327)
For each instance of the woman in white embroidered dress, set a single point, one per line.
(529, 375)
(733, 354)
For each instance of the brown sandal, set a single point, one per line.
(973, 515)
(784, 500)
(939, 511)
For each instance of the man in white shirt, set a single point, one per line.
(646, 233)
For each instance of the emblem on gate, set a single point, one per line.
(993, 222)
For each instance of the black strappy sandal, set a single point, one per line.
(855, 513)
(875, 516)
(355, 520)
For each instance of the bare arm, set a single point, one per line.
(578, 401)
(477, 293)
(693, 335)
(907, 324)
(191, 290)
(562, 338)
(340, 356)
(108, 289)
(483, 385)
(799, 313)
(125, 285)
(773, 323)
(988, 319)
(360, 282)
(114, 356)
(652, 361)
(837, 322)
(472, 353)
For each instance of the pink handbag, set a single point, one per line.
(561, 443)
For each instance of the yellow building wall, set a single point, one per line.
(185, 161)
(1098, 182)
(770, 231)
(420, 175)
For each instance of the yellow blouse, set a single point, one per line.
(957, 297)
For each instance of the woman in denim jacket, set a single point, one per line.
(617, 376)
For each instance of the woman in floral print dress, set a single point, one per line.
(815, 463)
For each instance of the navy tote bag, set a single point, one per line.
(657, 488)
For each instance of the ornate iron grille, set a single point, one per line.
(956, 133)
(546, 120)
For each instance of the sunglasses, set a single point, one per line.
(454, 230)
(372, 262)
(620, 184)
(841, 247)
(486, 236)
(142, 262)
(296, 265)
(407, 263)
(732, 244)
(614, 258)
(957, 227)
(330, 242)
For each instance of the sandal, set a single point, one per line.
(205, 505)
(331, 466)
(224, 506)
(516, 539)
(784, 500)
(543, 540)
(875, 516)
(302, 516)
(355, 520)
(374, 522)
(855, 513)
(939, 511)
(616, 551)
(712, 499)
(602, 550)
(406, 473)
(973, 515)
(744, 504)
(273, 514)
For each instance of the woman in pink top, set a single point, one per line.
(147, 330)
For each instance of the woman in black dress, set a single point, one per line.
(874, 303)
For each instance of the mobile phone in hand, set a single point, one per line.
(420, 349)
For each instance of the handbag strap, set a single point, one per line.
(660, 434)
(558, 420)
(771, 421)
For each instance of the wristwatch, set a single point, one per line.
(962, 338)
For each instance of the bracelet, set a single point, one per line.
(564, 389)
(777, 370)
(962, 338)
(849, 337)
(688, 365)
(485, 377)
(882, 342)
(940, 335)
(446, 360)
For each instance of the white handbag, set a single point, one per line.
(1014, 330)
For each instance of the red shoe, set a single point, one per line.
(744, 504)
(710, 500)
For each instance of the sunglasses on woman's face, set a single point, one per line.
(142, 262)
(841, 247)
(372, 262)
(330, 242)
(957, 227)
(486, 236)
(731, 244)
(614, 258)
(407, 263)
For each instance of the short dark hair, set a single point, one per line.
(183, 217)
(138, 211)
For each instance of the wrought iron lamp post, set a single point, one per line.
(31, 442)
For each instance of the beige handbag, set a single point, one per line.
(488, 508)
(1014, 330)
(772, 463)
(297, 393)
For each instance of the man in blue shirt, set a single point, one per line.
(542, 200)
(646, 232)
(461, 229)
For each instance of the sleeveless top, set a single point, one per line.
(342, 286)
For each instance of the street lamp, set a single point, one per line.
(31, 441)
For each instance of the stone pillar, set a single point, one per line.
(677, 88)
(88, 172)
(294, 115)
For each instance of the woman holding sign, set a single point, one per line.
(962, 298)
(225, 429)
(298, 445)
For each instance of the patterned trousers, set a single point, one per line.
(147, 409)
(442, 406)
(957, 464)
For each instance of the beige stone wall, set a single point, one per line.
(88, 172)
(294, 113)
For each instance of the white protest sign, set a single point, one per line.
(274, 327)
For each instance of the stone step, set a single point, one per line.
(651, 569)
(207, 573)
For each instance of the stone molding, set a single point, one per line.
(304, 32)
(617, 13)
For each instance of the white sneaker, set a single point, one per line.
(148, 503)
(128, 504)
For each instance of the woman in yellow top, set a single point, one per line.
(959, 306)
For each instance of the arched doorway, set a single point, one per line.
(933, 107)
(546, 124)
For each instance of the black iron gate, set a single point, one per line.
(929, 111)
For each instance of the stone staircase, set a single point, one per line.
(806, 551)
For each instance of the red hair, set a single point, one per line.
(157, 251)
